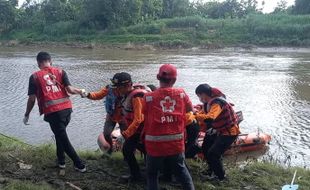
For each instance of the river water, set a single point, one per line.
(271, 87)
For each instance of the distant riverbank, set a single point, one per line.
(175, 33)
(149, 46)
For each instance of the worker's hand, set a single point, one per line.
(120, 139)
(197, 108)
(211, 131)
(84, 94)
(200, 117)
(25, 120)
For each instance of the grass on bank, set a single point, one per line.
(103, 172)
(266, 30)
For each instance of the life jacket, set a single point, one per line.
(227, 117)
(165, 122)
(51, 94)
(110, 101)
(127, 108)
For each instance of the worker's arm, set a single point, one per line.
(137, 104)
(69, 88)
(214, 112)
(99, 94)
(189, 118)
(73, 90)
(30, 103)
(32, 89)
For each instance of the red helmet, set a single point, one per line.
(167, 71)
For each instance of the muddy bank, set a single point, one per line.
(126, 46)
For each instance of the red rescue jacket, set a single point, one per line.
(51, 93)
(164, 126)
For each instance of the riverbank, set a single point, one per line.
(151, 47)
(25, 167)
(278, 30)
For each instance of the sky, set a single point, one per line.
(269, 4)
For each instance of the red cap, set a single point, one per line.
(167, 71)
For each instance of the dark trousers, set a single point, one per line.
(213, 148)
(58, 122)
(178, 166)
(129, 147)
(191, 146)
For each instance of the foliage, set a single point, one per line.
(160, 22)
(301, 7)
(281, 7)
(22, 185)
(7, 15)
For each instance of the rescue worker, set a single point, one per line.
(222, 128)
(133, 119)
(49, 86)
(163, 134)
(191, 146)
(113, 108)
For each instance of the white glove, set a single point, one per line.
(84, 94)
(25, 120)
(120, 139)
(211, 131)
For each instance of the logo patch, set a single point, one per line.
(167, 104)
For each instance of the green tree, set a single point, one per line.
(7, 15)
(301, 7)
(173, 8)
(232, 8)
(151, 9)
(281, 7)
(250, 6)
(57, 10)
(215, 9)
(30, 16)
(99, 14)
(111, 13)
(131, 12)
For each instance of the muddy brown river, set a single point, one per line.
(271, 87)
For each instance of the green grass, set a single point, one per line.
(21, 185)
(103, 171)
(264, 30)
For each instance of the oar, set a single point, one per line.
(291, 186)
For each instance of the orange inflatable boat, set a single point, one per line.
(244, 142)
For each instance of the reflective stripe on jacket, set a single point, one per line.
(51, 93)
(164, 126)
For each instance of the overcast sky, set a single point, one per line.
(269, 4)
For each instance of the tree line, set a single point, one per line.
(83, 16)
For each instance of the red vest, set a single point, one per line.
(164, 118)
(227, 117)
(51, 93)
(127, 108)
